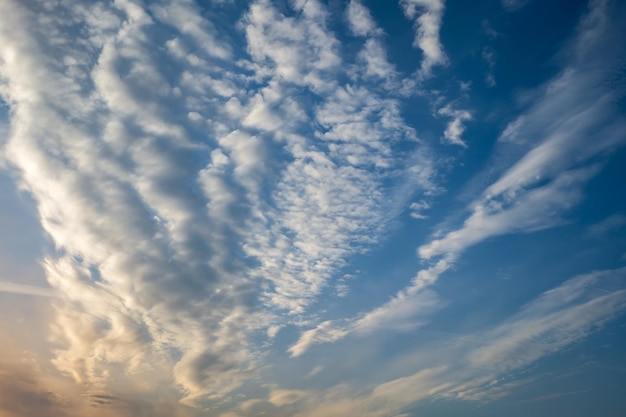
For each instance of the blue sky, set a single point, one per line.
(312, 208)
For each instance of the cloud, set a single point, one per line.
(26, 390)
(543, 184)
(557, 318)
(186, 16)
(512, 5)
(417, 208)
(301, 50)
(608, 225)
(456, 127)
(372, 61)
(198, 191)
(25, 289)
(532, 210)
(554, 133)
(324, 333)
(23, 395)
(203, 188)
(374, 58)
(489, 56)
(285, 397)
(427, 16)
(555, 162)
(556, 395)
(486, 365)
(406, 311)
(330, 201)
(360, 20)
(132, 267)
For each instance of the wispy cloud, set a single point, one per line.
(512, 5)
(407, 310)
(547, 180)
(456, 126)
(16, 288)
(612, 223)
(428, 17)
(559, 160)
(485, 366)
(555, 395)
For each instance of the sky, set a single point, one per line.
(312, 208)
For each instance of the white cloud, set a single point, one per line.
(324, 333)
(186, 16)
(555, 132)
(131, 242)
(406, 311)
(360, 20)
(403, 313)
(552, 321)
(261, 117)
(529, 211)
(196, 201)
(511, 131)
(417, 208)
(329, 202)
(538, 190)
(486, 365)
(456, 126)
(427, 16)
(374, 56)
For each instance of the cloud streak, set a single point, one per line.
(34, 290)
